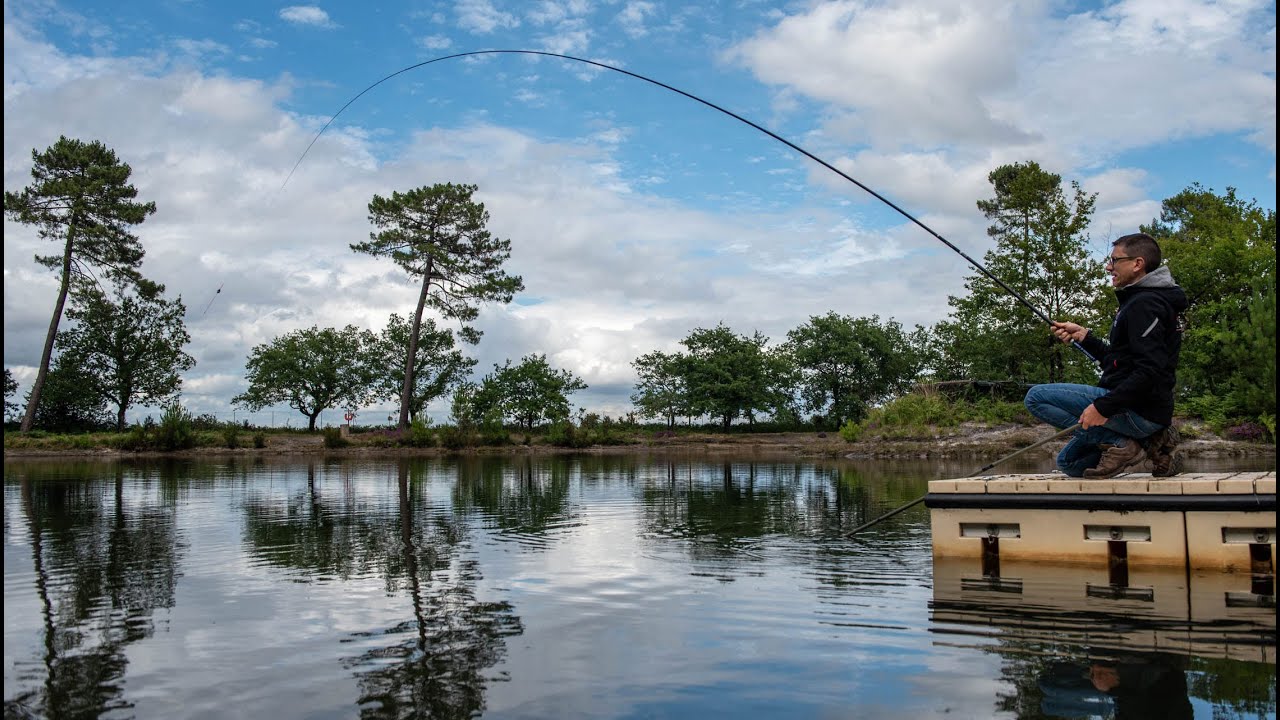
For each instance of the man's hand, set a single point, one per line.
(1091, 417)
(1069, 331)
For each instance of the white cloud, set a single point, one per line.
(633, 15)
(435, 42)
(306, 15)
(940, 74)
(567, 41)
(915, 72)
(481, 17)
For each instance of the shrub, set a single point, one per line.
(231, 436)
(492, 431)
(420, 434)
(917, 409)
(138, 438)
(1246, 431)
(259, 440)
(175, 431)
(205, 421)
(333, 438)
(1269, 422)
(1211, 409)
(562, 433)
(851, 431)
(454, 438)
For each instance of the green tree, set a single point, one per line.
(129, 348)
(80, 197)
(1041, 252)
(1222, 250)
(660, 388)
(730, 376)
(439, 365)
(311, 370)
(438, 234)
(1251, 388)
(531, 392)
(10, 388)
(65, 406)
(848, 364)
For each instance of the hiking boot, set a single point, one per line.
(1163, 452)
(1115, 458)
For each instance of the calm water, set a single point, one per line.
(568, 587)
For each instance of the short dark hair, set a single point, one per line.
(1140, 245)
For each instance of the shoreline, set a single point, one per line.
(968, 442)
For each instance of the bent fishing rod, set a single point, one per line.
(717, 108)
(975, 473)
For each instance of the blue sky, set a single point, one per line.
(636, 215)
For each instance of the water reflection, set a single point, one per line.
(103, 562)
(574, 587)
(1071, 651)
(431, 663)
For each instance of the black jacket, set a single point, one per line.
(1141, 359)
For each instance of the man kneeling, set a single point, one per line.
(1128, 416)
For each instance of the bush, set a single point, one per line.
(205, 421)
(915, 410)
(492, 431)
(333, 438)
(175, 431)
(1210, 409)
(1269, 422)
(851, 431)
(454, 438)
(420, 434)
(231, 436)
(1246, 431)
(138, 438)
(562, 433)
(259, 440)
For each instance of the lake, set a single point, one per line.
(615, 586)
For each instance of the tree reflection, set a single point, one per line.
(723, 507)
(529, 500)
(434, 664)
(436, 671)
(104, 560)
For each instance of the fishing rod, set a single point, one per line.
(979, 471)
(718, 108)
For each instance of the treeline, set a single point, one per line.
(125, 344)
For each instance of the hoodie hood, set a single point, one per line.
(1158, 278)
(1159, 281)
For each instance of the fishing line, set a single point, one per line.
(713, 106)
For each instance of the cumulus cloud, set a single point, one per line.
(916, 73)
(633, 15)
(481, 17)
(435, 42)
(939, 74)
(306, 15)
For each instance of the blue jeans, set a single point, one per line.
(1060, 405)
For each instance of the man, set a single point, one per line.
(1128, 417)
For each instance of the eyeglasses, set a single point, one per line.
(1113, 260)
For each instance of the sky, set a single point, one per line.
(635, 215)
